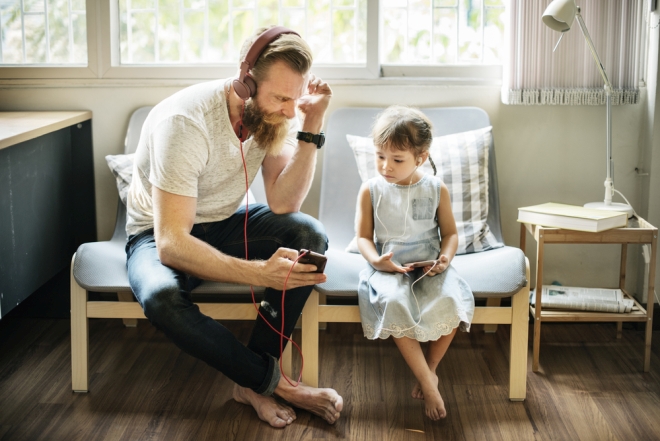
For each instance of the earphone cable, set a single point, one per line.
(254, 302)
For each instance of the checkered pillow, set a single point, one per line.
(122, 167)
(462, 162)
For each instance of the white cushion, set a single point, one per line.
(121, 167)
(462, 162)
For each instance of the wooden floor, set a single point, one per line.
(143, 388)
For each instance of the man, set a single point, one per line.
(185, 222)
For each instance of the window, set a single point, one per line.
(200, 39)
(212, 31)
(442, 31)
(43, 32)
(412, 32)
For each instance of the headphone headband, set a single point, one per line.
(245, 86)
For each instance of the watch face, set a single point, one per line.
(321, 140)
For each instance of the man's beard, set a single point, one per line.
(268, 129)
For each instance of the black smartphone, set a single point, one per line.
(312, 258)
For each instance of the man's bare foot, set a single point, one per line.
(417, 390)
(269, 410)
(326, 403)
(435, 407)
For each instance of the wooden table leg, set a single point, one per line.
(539, 292)
(622, 282)
(650, 304)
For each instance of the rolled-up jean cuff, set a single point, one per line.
(272, 379)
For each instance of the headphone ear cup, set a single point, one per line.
(245, 89)
(251, 85)
(241, 89)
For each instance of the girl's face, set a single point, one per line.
(397, 166)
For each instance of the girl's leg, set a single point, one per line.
(436, 350)
(412, 353)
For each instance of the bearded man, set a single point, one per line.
(185, 219)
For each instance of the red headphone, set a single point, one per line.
(245, 86)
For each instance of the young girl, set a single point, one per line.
(404, 216)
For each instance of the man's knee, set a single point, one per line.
(307, 232)
(162, 303)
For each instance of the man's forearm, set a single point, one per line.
(192, 256)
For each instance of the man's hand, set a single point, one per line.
(384, 263)
(277, 268)
(314, 104)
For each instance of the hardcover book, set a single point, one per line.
(572, 217)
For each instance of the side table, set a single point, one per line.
(643, 233)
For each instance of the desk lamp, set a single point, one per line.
(559, 16)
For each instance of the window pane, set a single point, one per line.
(469, 31)
(445, 36)
(395, 22)
(212, 31)
(419, 31)
(494, 34)
(442, 31)
(43, 32)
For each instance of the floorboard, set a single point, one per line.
(142, 387)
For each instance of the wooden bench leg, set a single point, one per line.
(492, 328)
(127, 297)
(310, 340)
(79, 336)
(323, 301)
(287, 360)
(519, 339)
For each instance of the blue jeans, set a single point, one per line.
(164, 293)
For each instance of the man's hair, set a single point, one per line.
(289, 48)
(403, 128)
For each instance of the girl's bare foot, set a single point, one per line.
(269, 410)
(417, 390)
(326, 403)
(435, 407)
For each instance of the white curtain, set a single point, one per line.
(533, 74)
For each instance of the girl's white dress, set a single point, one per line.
(405, 222)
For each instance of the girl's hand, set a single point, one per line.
(384, 263)
(439, 267)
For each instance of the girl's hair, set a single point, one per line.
(403, 128)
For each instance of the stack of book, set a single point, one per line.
(572, 217)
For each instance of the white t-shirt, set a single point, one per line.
(188, 147)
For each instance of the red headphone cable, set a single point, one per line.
(254, 302)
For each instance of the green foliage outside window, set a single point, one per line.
(42, 33)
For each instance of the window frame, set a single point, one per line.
(104, 60)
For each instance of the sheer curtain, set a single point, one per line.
(533, 74)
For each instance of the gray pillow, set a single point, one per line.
(122, 167)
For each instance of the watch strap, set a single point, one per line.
(318, 139)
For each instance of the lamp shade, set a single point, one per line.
(559, 15)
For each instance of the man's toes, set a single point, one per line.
(286, 414)
(276, 421)
(332, 417)
(339, 404)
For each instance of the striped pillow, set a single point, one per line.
(462, 162)
(121, 167)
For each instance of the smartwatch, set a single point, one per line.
(319, 139)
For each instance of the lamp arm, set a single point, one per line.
(587, 37)
(609, 180)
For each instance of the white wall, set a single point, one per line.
(544, 153)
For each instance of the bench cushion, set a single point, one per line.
(101, 267)
(495, 273)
